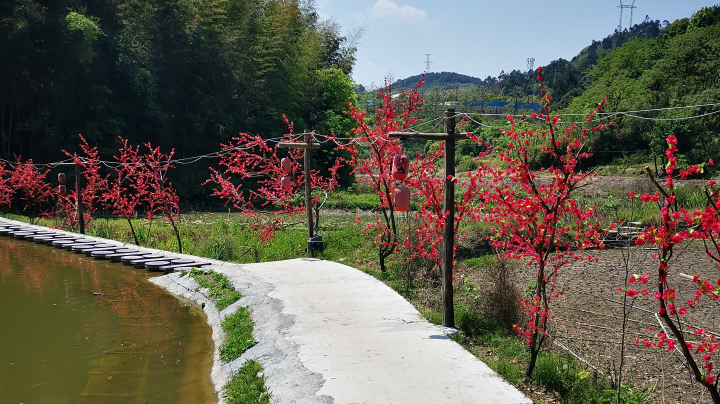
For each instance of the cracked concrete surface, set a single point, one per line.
(328, 333)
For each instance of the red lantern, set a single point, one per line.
(400, 166)
(401, 199)
(286, 183)
(62, 189)
(61, 178)
(286, 165)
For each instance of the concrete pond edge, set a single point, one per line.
(287, 379)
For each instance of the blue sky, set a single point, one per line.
(482, 37)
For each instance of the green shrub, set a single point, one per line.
(221, 247)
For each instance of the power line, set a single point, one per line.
(434, 122)
(630, 114)
(115, 164)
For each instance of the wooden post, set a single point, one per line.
(655, 160)
(308, 194)
(449, 137)
(78, 190)
(448, 310)
(308, 146)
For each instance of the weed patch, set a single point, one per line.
(245, 386)
(221, 292)
(238, 330)
(248, 386)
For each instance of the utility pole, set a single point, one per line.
(308, 145)
(449, 138)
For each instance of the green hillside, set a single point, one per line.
(680, 67)
(654, 65)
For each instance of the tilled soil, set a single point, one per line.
(596, 186)
(589, 324)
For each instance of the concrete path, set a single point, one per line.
(356, 339)
(328, 333)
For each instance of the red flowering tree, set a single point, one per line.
(375, 169)
(141, 182)
(94, 186)
(160, 197)
(126, 192)
(251, 175)
(30, 183)
(534, 216)
(426, 180)
(698, 346)
(6, 189)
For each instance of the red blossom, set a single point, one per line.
(677, 225)
(538, 222)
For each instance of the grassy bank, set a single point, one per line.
(246, 386)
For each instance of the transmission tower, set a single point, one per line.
(427, 62)
(530, 64)
(624, 6)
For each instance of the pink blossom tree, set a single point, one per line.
(534, 216)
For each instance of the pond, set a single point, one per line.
(77, 330)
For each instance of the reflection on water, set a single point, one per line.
(76, 330)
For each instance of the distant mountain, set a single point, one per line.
(564, 77)
(442, 79)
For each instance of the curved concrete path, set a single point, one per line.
(344, 337)
(329, 333)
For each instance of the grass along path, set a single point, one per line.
(246, 386)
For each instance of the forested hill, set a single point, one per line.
(566, 75)
(679, 68)
(186, 74)
(442, 79)
(654, 65)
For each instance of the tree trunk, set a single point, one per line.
(177, 232)
(531, 364)
(383, 269)
(177, 235)
(132, 230)
(537, 337)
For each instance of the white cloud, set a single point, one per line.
(387, 9)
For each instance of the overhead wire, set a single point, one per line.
(115, 164)
(603, 116)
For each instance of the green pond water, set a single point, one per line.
(62, 343)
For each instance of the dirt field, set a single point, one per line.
(588, 321)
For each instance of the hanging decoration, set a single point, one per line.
(286, 183)
(286, 165)
(401, 199)
(400, 166)
(62, 189)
